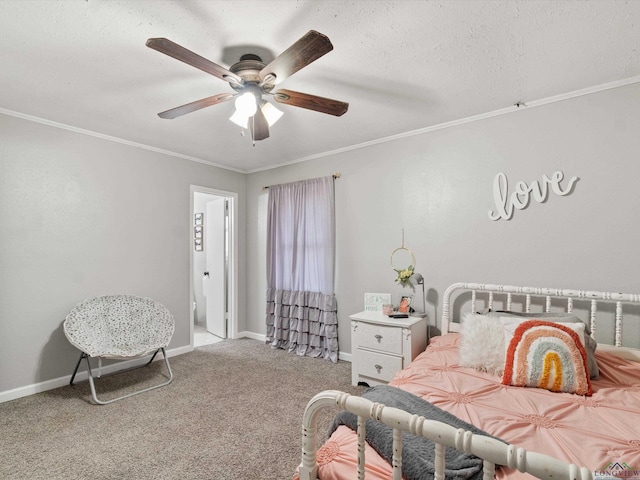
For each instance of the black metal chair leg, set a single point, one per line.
(82, 355)
(154, 356)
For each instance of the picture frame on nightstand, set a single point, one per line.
(405, 301)
(373, 302)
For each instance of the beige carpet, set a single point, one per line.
(233, 411)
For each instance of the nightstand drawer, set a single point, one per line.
(378, 365)
(379, 337)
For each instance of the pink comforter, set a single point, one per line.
(597, 432)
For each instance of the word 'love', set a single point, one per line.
(522, 193)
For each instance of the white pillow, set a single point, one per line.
(482, 343)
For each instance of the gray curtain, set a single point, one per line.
(301, 310)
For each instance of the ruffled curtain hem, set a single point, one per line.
(304, 323)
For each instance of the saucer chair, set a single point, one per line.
(119, 327)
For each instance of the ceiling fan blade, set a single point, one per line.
(307, 49)
(259, 126)
(311, 102)
(197, 105)
(166, 46)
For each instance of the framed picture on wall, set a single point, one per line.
(197, 244)
(197, 231)
(198, 218)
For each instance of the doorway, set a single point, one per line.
(213, 265)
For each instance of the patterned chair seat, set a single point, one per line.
(119, 327)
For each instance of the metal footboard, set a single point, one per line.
(493, 452)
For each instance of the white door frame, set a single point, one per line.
(232, 330)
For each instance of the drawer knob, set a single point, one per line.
(378, 368)
(379, 338)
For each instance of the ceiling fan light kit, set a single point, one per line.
(251, 79)
(246, 108)
(247, 104)
(239, 119)
(271, 113)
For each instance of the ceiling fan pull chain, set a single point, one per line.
(253, 129)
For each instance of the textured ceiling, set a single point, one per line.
(401, 65)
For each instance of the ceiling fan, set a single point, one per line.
(251, 79)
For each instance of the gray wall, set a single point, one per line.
(81, 216)
(438, 186)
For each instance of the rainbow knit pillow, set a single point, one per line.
(547, 355)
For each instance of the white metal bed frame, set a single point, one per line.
(490, 450)
(548, 294)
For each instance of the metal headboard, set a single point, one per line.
(509, 291)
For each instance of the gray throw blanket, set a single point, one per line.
(418, 453)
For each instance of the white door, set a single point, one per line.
(215, 247)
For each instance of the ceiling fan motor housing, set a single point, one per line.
(248, 68)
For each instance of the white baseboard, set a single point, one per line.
(344, 356)
(254, 336)
(82, 374)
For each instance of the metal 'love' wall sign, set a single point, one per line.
(523, 193)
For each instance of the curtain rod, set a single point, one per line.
(335, 175)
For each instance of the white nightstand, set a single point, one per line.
(380, 345)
